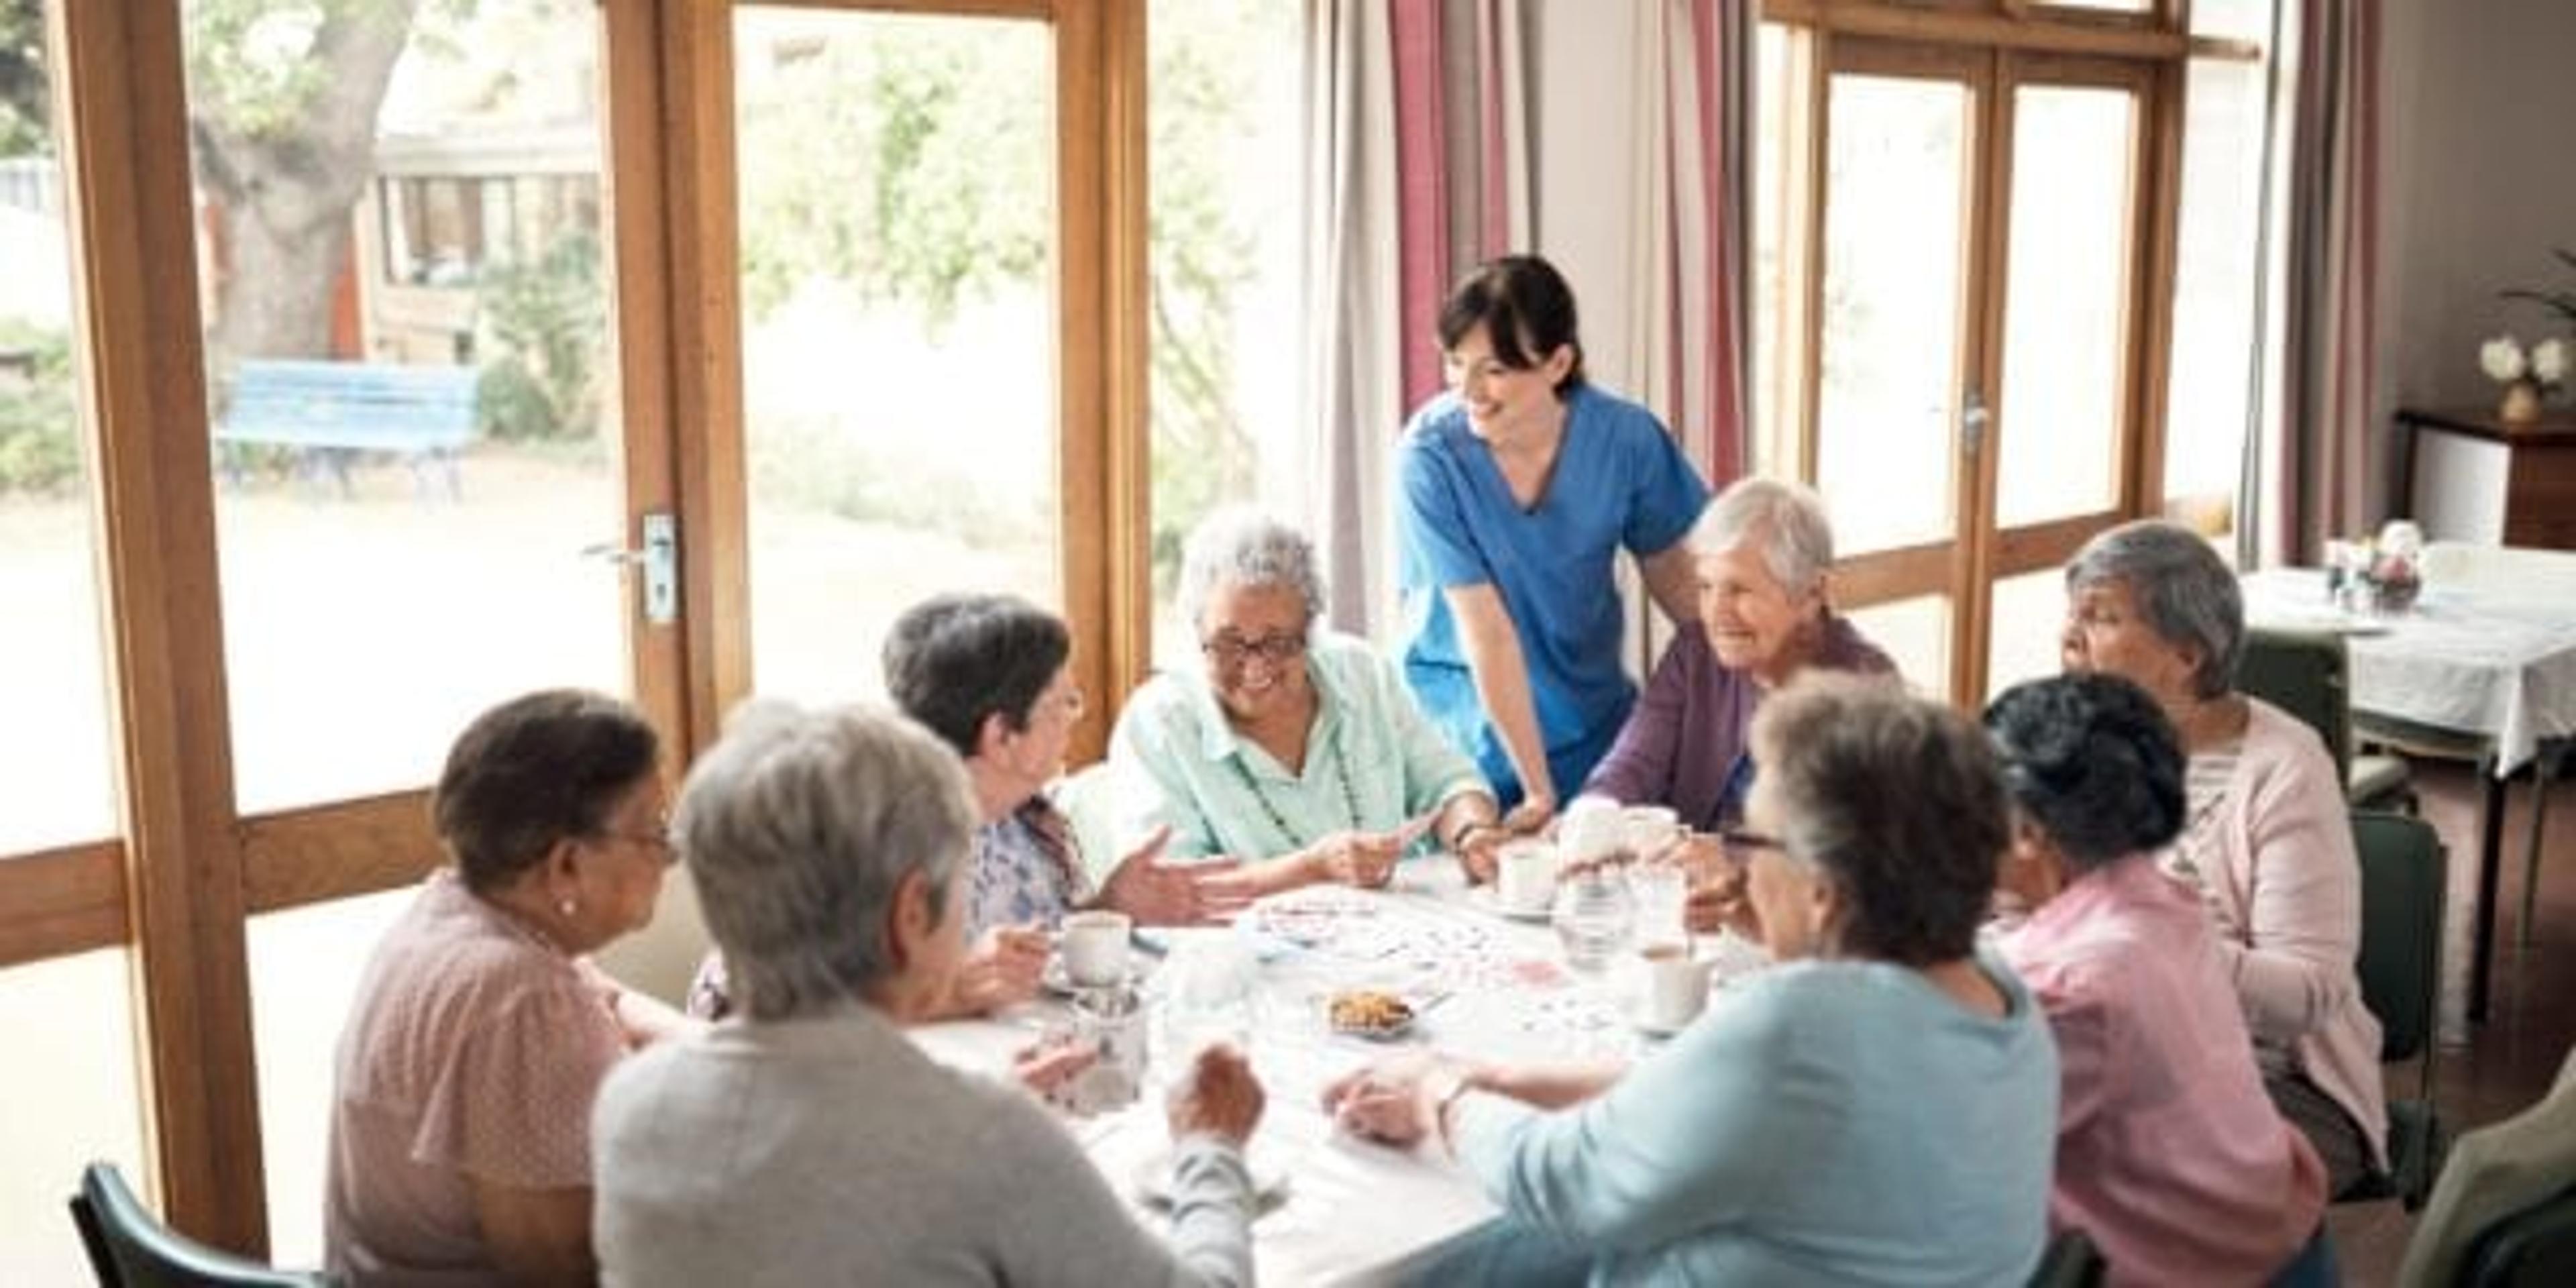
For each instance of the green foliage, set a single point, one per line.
(2562, 303)
(548, 321)
(903, 167)
(39, 417)
(24, 106)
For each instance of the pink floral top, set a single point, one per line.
(473, 1052)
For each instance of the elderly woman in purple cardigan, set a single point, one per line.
(1763, 553)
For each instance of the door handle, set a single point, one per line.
(657, 561)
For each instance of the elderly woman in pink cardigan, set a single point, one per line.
(2265, 840)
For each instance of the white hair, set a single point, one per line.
(796, 829)
(1236, 546)
(1787, 518)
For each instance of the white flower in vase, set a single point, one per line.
(2549, 361)
(2504, 360)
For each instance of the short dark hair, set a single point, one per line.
(952, 660)
(1526, 309)
(534, 771)
(1897, 800)
(2092, 760)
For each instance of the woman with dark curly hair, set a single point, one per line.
(2170, 1157)
(1879, 1108)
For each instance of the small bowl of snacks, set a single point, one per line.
(1369, 1013)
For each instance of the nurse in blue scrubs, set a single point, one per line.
(1515, 491)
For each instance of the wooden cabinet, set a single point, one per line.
(2473, 478)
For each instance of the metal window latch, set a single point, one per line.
(658, 563)
(1972, 423)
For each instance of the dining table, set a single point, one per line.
(1480, 983)
(2486, 671)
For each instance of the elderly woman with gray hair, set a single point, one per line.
(1762, 554)
(2266, 840)
(1299, 752)
(808, 1141)
(1880, 1107)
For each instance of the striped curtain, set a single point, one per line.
(1689, 215)
(1417, 168)
(2312, 475)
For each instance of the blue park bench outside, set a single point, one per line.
(331, 411)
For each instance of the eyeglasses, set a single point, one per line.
(658, 840)
(1230, 650)
(1744, 841)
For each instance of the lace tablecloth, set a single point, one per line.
(1484, 985)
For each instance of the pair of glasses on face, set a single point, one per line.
(657, 839)
(1744, 841)
(1230, 650)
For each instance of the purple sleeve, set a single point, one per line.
(1639, 768)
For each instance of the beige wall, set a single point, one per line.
(2478, 183)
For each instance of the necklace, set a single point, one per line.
(1270, 808)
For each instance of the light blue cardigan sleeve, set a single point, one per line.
(1689, 1139)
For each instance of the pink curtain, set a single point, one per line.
(2312, 480)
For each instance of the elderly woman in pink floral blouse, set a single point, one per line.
(481, 1032)
(989, 675)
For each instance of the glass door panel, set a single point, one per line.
(56, 756)
(72, 1099)
(2027, 612)
(406, 311)
(2066, 308)
(1899, 162)
(304, 970)
(1914, 633)
(2209, 391)
(897, 208)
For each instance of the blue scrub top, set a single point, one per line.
(1619, 481)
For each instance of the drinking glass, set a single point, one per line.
(1595, 918)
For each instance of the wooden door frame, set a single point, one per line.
(1102, 365)
(1941, 567)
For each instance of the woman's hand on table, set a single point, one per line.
(1046, 1067)
(1003, 969)
(1532, 817)
(1363, 859)
(1219, 1098)
(1397, 1101)
(1718, 898)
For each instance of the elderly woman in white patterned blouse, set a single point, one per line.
(989, 675)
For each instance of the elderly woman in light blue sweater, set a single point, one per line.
(1880, 1108)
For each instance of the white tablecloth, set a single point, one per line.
(2489, 665)
(1357, 1212)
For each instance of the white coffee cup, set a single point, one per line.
(1094, 944)
(1591, 828)
(1675, 986)
(1525, 875)
(1648, 830)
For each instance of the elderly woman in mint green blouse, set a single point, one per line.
(1297, 752)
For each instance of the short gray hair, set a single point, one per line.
(796, 829)
(1788, 519)
(1242, 547)
(2186, 593)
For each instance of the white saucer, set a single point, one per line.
(1653, 1029)
(1058, 984)
(1485, 898)
(1153, 1179)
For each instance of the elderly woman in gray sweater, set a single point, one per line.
(807, 1141)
